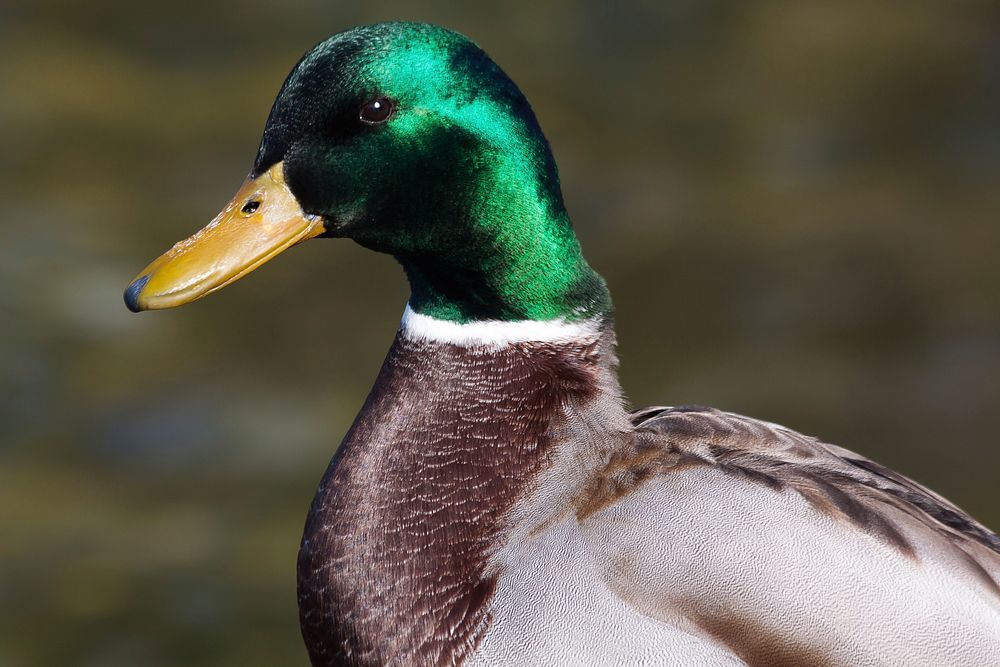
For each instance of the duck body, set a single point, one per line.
(495, 503)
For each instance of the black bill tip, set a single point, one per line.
(132, 293)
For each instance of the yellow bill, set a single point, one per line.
(261, 221)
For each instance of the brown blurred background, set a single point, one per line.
(796, 205)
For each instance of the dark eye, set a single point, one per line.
(376, 111)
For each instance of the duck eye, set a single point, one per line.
(250, 207)
(376, 111)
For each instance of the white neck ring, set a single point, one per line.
(495, 333)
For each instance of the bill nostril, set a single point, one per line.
(132, 293)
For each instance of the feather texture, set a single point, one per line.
(497, 505)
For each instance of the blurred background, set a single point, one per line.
(796, 204)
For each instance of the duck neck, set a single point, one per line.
(532, 270)
(463, 423)
(491, 240)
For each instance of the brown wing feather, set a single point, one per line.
(832, 478)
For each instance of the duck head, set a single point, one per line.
(410, 140)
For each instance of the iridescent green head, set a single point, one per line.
(408, 139)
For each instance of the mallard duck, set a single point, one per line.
(495, 502)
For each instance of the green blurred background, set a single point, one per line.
(796, 205)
